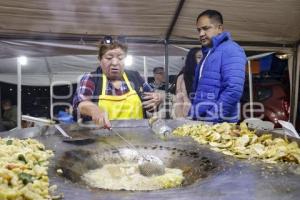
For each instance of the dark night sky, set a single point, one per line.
(35, 100)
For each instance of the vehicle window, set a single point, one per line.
(263, 94)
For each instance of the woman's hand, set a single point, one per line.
(99, 116)
(151, 100)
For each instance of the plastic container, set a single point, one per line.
(147, 88)
(160, 128)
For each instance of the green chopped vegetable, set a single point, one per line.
(9, 142)
(21, 157)
(25, 178)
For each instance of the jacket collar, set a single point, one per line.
(217, 40)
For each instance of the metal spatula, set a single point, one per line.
(79, 139)
(148, 165)
(76, 139)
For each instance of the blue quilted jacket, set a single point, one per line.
(219, 86)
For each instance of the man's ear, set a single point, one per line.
(221, 27)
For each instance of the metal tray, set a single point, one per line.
(234, 179)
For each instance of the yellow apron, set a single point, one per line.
(126, 106)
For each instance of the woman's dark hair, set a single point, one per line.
(189, 69)
(188, 72)
(114, 44)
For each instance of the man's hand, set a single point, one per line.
(151, 100)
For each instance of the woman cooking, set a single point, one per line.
(110, 92)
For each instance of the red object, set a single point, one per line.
(274, 99)
(255, 67)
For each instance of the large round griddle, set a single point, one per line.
(212, 174)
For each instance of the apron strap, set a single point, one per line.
(127, 82)
(104, 83)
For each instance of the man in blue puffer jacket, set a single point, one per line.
(220, 74)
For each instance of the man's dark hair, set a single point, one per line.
(6, 102)
(212, 14)
(158, 69)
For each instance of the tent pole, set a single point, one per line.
(0, 102)
(290, 70)
(145, 70)
(51, 89)
(51, 98)
(250, 88)
(295, 87)
(167, 79)
(19, 94)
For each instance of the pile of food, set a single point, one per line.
(241, 142)
(23, 169)
(126, 176)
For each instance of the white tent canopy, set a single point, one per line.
(61, 37)
(67, 61)
(275, 21)
(39, 70)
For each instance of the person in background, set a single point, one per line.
(219, 79)
(65, 116)
(9, 118)
(110, 92)
(184, 84)
(159, 79)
